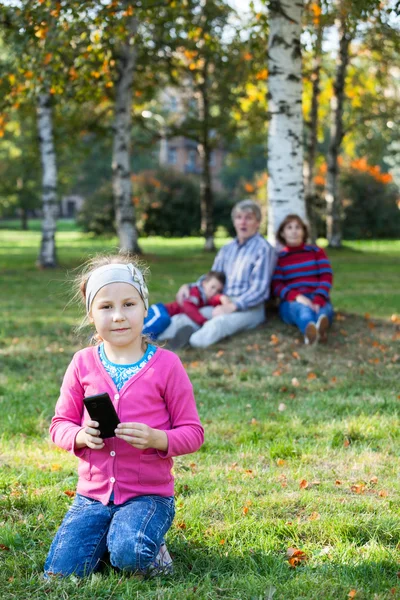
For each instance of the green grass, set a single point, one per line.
(275, 413)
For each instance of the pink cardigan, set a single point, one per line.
(159, 395)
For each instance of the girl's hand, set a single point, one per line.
(304, 300)
(90, 437)
(142, 436)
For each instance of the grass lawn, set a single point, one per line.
(301, 447)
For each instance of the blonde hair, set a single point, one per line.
(93, 263)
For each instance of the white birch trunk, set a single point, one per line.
(285, 135)
(47, 256)
(121, 170)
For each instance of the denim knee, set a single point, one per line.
(133, 554)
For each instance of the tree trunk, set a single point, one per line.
(24, 219)
(333, 212)
(311, 145)
(47, 256)
(285, 135)
(206, 192)
(121, 170)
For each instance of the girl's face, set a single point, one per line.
(293, 233)
(118, 312)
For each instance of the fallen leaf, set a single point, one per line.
(367, 316)
(338, 482)
(180, 524)
(314, 516)
(274, 339)
(3, 547)
(280, 462)
(296, 355)
(69, 493)
(245, 510)
(221, 542)
(374, 480)
(254, 421)
(311, 376)
(220, 353)
(303, 484)
(340, 317)
(395, 319)
(358, 488)
(333, 379)
(352, 593)
(277, 373)
(346, 442)
(371, 325)
(296, 557)
(295, 382)
(383, 494)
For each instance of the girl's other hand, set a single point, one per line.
(142, 436)
(90, 437)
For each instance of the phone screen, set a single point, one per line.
(101, 409)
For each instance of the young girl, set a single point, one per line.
(124, 502)
(303, 280)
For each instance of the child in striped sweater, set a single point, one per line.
(303, 280)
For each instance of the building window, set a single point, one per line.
(172, 156)
(191, 159)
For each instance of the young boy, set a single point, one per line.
(207, 292)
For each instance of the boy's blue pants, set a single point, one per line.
(156, 321)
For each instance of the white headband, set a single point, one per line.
(115, 273)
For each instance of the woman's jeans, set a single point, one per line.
(131, 532)
(295, 313)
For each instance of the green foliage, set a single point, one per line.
(167, 203)
(370, 207)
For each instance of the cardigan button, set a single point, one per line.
(112, 453)
(112, 479)
(116, 397)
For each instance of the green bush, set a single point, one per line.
(97, 214)
(369, 206)
(167, 203)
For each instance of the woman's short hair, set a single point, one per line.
(287, 220)
(247, 206)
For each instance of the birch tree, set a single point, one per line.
(47, 255)
(285, 135)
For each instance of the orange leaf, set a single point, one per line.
(358, 489)
(180, 525)
(314, 516)
(296, 355)
(277, 373)
(303, 484)
(221, 542)
(374, 480)
(295, 557)
(280, 462)
(69, 493)
(383, 494)
(338, 482)
(367, 316)
(274, 339)
(311, 376)
(245, 510)
(352, 593)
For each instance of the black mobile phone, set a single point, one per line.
(101, 409)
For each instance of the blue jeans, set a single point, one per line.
(157, 321)
(297, 314)
(131, 532)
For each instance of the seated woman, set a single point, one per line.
(303, 280)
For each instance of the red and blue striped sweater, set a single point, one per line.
(302, 269)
